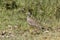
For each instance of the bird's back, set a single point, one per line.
(32, 22)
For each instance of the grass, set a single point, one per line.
(13, 19)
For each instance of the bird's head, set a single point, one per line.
(28, 14)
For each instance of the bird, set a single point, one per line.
(32, 22)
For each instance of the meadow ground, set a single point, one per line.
(13, 19)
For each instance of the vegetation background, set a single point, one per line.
(13, 19)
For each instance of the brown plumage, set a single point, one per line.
(32, 21)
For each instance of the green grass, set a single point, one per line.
(46, 12)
